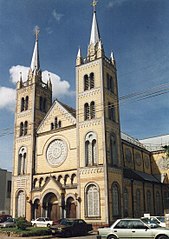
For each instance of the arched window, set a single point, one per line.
(91, 149)
(86, 111)
(111, 112)
(92, 110)
(115, 199)
(91, 80)
(59, 124)
(26, 128)
(138, 203)
(86, 82)
(21, 129)
(92, 201)
(126, 202)
(22, 161)
(22, 104)
(26, 102)
(113, 150)
(149, 202)
(21, 204)
(111, 84)
(40, 103)
(56, 122)
(52, 126)
(158, 203)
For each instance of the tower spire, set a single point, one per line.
(95, 35)
(35, 64)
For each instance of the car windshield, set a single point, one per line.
(161, 219)
(66, 222)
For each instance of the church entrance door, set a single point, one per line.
(70, 208)
(51, 207)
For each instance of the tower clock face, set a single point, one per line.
(56, 152)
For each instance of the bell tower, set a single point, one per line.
(33, 100)
(98, 129)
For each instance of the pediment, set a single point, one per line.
(60, 115)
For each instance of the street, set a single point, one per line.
(93, 236)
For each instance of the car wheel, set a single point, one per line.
(67, 234)
(112, 237)
(34, 225)
(163, 237)
(48, 225)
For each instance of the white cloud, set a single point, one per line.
(15, 72)
(57, 16)
(7, 98)
(60, 88)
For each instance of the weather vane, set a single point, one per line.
(36, 31)
(94, 3)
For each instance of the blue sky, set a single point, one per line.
(136, 30)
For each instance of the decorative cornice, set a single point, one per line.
(89, 93)
(89, 123)
(91, 170)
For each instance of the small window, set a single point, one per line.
(86, 111)
(91, 80)
(86, 82)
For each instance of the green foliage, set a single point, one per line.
(30, 231)
(21, 223)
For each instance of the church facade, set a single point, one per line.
(77, 163)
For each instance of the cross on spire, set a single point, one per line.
(36, 31)
(94, 3)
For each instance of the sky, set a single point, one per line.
(137, 31)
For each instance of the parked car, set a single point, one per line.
(42, 222)
(4, 217)
(150, 222)
(132, 228)
(10, 222)
(71, 227)
(159, 220)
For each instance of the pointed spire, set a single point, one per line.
(35, 64)
(112, 58)
(79, 58)
(95, 35)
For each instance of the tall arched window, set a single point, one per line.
(22, 161)
(91, 80)
(113, 150)
(26, 128)
(158, 203)
(91, 149)
(86, 82)
(92, 110)
(92, 201)
(21, 204)
(138, 203)
(26, 102)
(126, 202)
(22, 104)
(86, 111)
(115, 199)
(111, 112)
(149, 202)
(21, 129)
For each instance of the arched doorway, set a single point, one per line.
(70, 208)
(20, 204)
(51, 207)
(36, 209)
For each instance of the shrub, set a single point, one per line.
(21, 223)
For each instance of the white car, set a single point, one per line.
(42, 222)
(132, 228)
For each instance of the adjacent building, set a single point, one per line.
(5, 193)
(76, 162)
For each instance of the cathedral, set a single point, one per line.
(76, 163)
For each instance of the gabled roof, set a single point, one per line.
(69, 112)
